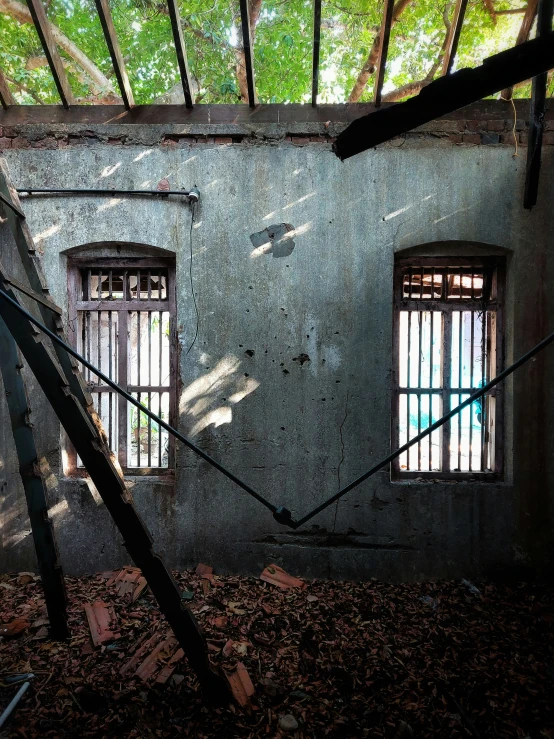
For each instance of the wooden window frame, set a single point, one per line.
(495, 268)
(123, 307)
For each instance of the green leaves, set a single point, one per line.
(282, 45)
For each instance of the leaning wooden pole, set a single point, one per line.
(34, 485)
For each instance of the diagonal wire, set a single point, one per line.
(281, 514)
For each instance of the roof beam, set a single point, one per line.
(316, 50)
(105, 15)
(42, 24)
(454, 36)
(6, 97)
(522, 36)
(180, 49)
(383, 51)
(536, 115)
(448, 94)
(248, 56)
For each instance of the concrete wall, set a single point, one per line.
(294, 431)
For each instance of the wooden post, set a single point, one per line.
(34, 485)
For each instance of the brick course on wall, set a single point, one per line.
(482, 124)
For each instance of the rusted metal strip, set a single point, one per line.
(316, 51)
(42, 24)
(181, 51)
(448, 94)
(536, 115)
(6, 97)
(91, 447)
(454, 36)
(34, 485)
(103, 10)
(383, 50)
(248, 55)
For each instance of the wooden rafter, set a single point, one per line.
(454, 36)
(522, 36)
(447, 94)
(105, 15)
(248, 55)
(316, 51)
(6, 97)
(536, 115)
(180, 50)
(55, 63)
(383, 50)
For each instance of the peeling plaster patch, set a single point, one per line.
(301, 358)
(275, 239)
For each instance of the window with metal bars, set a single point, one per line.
(122, 318)
(448, 343)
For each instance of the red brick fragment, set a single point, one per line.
(241, 684)
(277, 576)
(472, 138)
(14, 628)
(223, 140)
(101, 621)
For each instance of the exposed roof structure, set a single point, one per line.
(62, 54)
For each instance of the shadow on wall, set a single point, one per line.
(209, 399)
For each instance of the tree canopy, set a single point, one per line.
(282, 32)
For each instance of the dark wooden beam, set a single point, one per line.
(51, 52)
(522, 36)
(248, 55)
(230, 119)
(454, 36)
(383, 50)
(34, 485)
(6, 97)
(316, 51)
(110, 35)
(536, 115)
(180, 49)
(447, 94)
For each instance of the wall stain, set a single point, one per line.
(274, 240)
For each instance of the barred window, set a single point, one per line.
(447, 344)
(122, 313)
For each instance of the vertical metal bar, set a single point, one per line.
(446, 383)
(149, 378)
(159, 430)
(316, 51)
(180, 50)
(431, 358)
(139, 379)
(420, 333)
(460, 382)
(248, 56)
(383, 50)
(122, 372)
(484, 374)
(160, 349)
(110, 372)
(471, 407)
(409, 383)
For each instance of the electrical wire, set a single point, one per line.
(193, 212)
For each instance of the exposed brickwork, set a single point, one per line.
(454, 131)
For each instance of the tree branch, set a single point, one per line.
(21, 87)
(21, 14)
(489, 5)
(369, 67)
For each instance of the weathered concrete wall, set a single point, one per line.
(297, 431)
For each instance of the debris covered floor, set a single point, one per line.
(327, 660)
